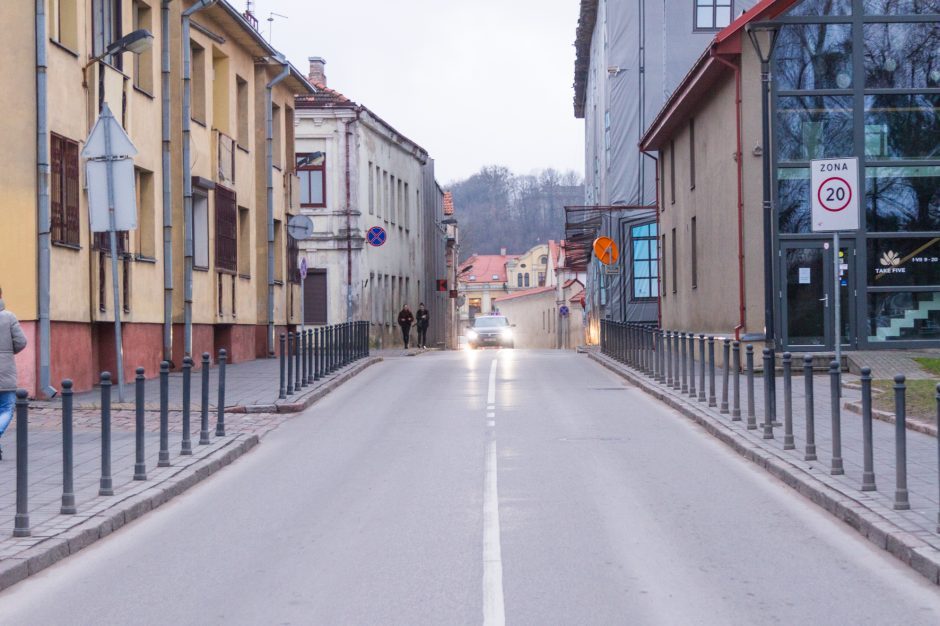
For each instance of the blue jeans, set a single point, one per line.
(7, 402)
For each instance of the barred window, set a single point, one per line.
(226, 230)
(64, 191)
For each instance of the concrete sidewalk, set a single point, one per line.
(911, 535)
(54, 536)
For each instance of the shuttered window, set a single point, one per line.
(226, 230)
(293, 260)
(64, 190)
(315, 297)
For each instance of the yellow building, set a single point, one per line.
(56, 274)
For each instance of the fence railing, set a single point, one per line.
(668, 358)
(306, 356)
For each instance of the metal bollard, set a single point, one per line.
(186, 448)
(810, 454)
(298, 351)
(163, 458)
(712, 400)
(901, 502)
(725, 371)
(105, 486)
(868, 471)
(21, 519)
(204, 416)
(68, 488)
(701, 368)
(303, 358)
(736, 382)
(309, 356)
(788, 402)
(317, 353)
(676, 373)
(749, 363)
(668, 356)
(768, 382)
(836, 467)
(682, 364)
(220, 406)
(691, 342)
(282, 390)
(290, 364)
(140, 465)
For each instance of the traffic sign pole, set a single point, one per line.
(837, 292)
(112, 234)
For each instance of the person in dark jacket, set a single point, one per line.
(405, 319)
(423, 317)
(12, 341)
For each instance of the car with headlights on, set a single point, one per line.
(490, 330)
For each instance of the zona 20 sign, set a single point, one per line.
(834, 192)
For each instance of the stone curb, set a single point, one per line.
(83, 534)
(911, 424)
(912, 551)
(296, 405)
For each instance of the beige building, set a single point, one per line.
(56, 275)
(546, 317)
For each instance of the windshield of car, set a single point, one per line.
(490, 322)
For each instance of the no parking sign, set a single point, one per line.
(835, 194)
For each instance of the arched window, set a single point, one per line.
(543, 260)
(518, 280)
(527, 280)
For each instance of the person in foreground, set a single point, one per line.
(12, 342)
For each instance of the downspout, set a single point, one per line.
(742, 309)
(43, 225)
(166, 174)
(349, 288)
(269, 157)
(659, 278)
(188, 180)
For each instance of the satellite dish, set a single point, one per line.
(300, 227)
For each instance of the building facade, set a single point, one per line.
(186, 285)
(357, 173)
(829, 100)
(630, 57)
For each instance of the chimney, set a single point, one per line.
(502, 251)
(317, 70)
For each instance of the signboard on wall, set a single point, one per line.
(834, 191)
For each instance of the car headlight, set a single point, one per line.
(506, 332)
(471, 334)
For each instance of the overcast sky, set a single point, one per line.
(475, 83)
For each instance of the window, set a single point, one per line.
(200, 230)
(278, 252)
(221, 92)
(371, 190)
(293, 260)
(674, 273)
(662, 183)
(644, 260)
(198, 84)
(407, 207)
(672, 171)
(244, 242)
(241, 111)
(694, 246)
(315, 297)
(393, 205)
(65, 191)
(63, 23)
(143, 62)
(518, 280)
(276, 143)
(663, 249)
(541, 279)
(526, 279)
(146, 218)
(226, 230)
(712, 14)
(692, 153)
(312, 181)
(543, 260)
(105, 28)
(607, 139)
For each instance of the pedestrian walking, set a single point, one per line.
(12, 341)
(405, 319)
(423, 317)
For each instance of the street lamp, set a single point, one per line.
(137, 42)
(763, 36)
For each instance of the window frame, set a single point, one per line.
(713, 5)
(304, 171)
(65, 216)
(226, 239)
(691, 153)
(693, 244)
(653, 278)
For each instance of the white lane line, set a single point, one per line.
(490, 414)
(494, 611)
(491, 423)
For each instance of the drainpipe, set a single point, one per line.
(349, 294)
(740, 171)
(188, 179)
(166, 174)
(269, 156)
(42, 214)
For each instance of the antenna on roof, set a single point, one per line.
(271, 17)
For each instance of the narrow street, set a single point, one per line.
(402, 498)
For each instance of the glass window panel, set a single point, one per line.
(653, 230)
(304, 187)
(900, 316)
(641, 269)
(814, 127)
(316, 187)
(902, 56)
(793, 200)
(722, 16)
(901, 7)
(814, 56)
(902, 198)
(902, 126)
(654, 269)
(641, 249)
(642, 288)
(822, 7)
(640, 231)
(913, 261)
(703, 18)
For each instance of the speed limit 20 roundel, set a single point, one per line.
(834, 194)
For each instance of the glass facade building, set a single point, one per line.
(859, 78)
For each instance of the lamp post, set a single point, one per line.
(763, 36)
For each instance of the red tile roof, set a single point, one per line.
(484, 267)
(325, 97)
(524, 293)
(572, 281)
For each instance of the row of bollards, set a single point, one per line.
(312, 354)
(668, 357)
(21, 526)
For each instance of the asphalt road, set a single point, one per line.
(402, 499)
